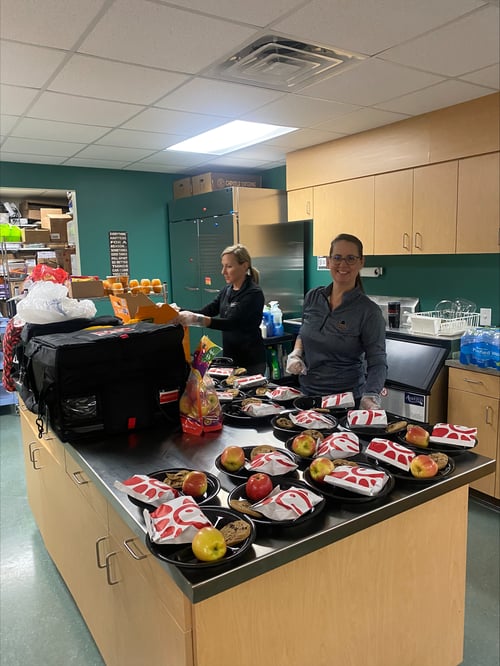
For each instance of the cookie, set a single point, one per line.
(175, 479)
(314, 433)
(341, 461)
(251, 401)
(440, 458)
(283, 422)
(239, 371)
(262, 448)
(235, 532)
(244, 506)
(230, 380)
(261, 390)
(396, 426)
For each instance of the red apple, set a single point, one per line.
(319, 468)
(209, 544)
(423, 467)
(417, 435)
(304, 445)
(258, 486)
(232, 458)
(195, 484)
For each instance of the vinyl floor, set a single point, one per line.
(40, 624)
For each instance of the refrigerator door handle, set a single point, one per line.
(192, 288)
(212, 291)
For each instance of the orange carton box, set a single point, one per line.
(140, 307)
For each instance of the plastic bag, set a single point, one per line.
(48, 302)
(199, 405)
(49, 274)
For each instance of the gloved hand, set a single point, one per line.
(187, 318)
(294, 363)
(370, 401)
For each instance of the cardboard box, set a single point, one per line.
(208, 182)
(34, 214)
(64, 256)
(45, 212)
(183, 188)
(57, 226)
(139, 306)
(36, 236)
(78, 288)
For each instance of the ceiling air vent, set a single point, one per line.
(281, 63)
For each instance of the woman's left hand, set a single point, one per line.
(187, 318)
(369, 402)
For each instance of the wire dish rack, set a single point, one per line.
(433, 323)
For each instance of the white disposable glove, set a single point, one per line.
(187, 318)
(294, 363)
(370, 401)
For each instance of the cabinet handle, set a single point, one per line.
(108, 569)
(136, 555)
(97, 553)
(472, 381)
(488, 411)
(192, 288)
(30, 450)
(406, 241)
(78, 478)
(34, 461)
(418, 245)
(308, 207)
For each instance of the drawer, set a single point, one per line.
(479, 383)
(86, 487)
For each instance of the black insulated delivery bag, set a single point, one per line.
(107, 380)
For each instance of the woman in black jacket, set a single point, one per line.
(237, 311)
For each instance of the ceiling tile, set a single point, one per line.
(210, 96)
(361, 120)
(256, 12)
(175, 158)
(24, 65)
(15, 100)
(69, 108)
(95, 164)
(371, 82)
(34, 128)
(7, 156)
(436, 97)
(471, 42)
(41, 147)
(230, 162)
(297, 111)
(489, 76)
(7, 123)
(303, 138)
(369, 26)
(96, 152)
(95, 77)
(160, 36)
(174, 122)
(137, 139)
(50, 24)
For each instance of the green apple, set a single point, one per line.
(208, 544)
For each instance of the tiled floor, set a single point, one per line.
(41, 626)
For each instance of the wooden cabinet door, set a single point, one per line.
(393, 212)
(344, 207)
(435, 208)
(300, 204)
(478, 215)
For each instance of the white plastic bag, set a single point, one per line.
(47, 302)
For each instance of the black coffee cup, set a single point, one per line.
(394, 314)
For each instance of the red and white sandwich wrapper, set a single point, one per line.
(287, 504)
(367, 417)
(345, 400)
(146, 489)
(361, 480)
(176, 521)
(225, 396)
(262, 409)
(272, 463)
(284, 393)
(250, 381)
(390, 452)
(453, 435)
(338, 445)
(308, 418)
(220, 372)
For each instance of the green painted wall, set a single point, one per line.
(136, 202)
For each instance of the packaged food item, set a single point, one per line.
(287, 504)
(345, 400)
(390, 452)
(338, 445)
(360, 480)
(273, 463)
(367, 417)
(284, 393)
(250, 381)
(146, 489)
(453, 435)
(309, 418)
(176, 521)
(262, 409)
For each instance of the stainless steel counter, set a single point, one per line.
(120, 457)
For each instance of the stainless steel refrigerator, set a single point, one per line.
(200, 227)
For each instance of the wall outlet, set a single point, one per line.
(485, 316)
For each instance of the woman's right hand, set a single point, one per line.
(295, 365)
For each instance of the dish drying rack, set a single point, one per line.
(433, 322)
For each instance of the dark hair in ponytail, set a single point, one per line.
(349, 238)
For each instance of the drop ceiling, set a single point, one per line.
(113, 83)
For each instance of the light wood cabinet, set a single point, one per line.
(435, 208)
(474, 399)
(345, 207)
(478, 215)
(394, 212)
(300, 204)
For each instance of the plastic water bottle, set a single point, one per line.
(263, 328)
(277, 317)
(466, 346)
(266, 315)
(482, 348)
(495, 349)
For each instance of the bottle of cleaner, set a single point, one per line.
(263, 328)
(268, 320)
(275, 366)
(277, 317)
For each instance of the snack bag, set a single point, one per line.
(199, 405)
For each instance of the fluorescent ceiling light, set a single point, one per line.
(231, 136)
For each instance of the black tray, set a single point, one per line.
(242, 474)
(453, 451)
(314, 401)
(213, 487)
(407, 477)
(346, 496)
(234, 415)
(182, 555)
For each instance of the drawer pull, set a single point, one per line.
(34, 461)
(136, 555)
(79, 479)
(97, 553)
(488, 413)
(418, 240)
(472, 381)
(30, 450)
(108, 569)
(406, 241)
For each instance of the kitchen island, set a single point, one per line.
(378, 583)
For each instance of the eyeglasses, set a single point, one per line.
(350, 259)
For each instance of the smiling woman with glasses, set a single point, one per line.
(341, 343)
